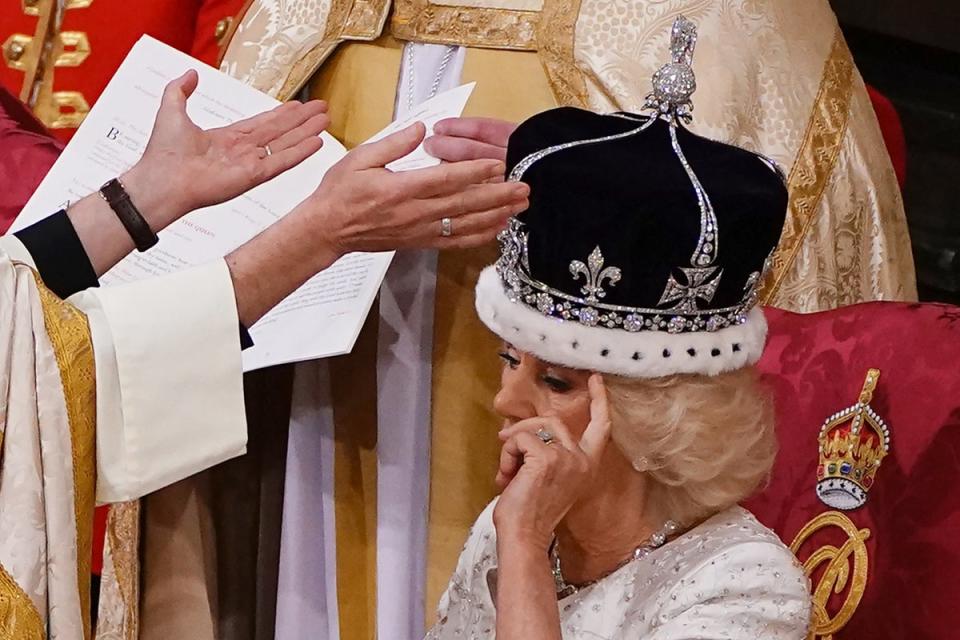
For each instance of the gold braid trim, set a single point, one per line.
(845, 567)
(556, 37)
(486, 27)
(123, 534)
(19, 619)
(815, 160)
(69, 335)
(366, 19)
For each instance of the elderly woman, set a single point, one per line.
(625, 298)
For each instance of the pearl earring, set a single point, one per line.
(641, 464)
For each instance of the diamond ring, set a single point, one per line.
(446, 227)
(545, 436)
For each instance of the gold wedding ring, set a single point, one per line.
(446, 227)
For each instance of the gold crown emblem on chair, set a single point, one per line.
(853, 443)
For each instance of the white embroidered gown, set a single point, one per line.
(730, 577)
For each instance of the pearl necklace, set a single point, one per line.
(655, 541)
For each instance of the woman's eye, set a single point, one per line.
(556, 384)
(509, 360)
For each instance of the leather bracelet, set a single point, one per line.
(119, 200)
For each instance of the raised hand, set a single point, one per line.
(362, 206)
(198, 168)
(366, 207)
(457, 139)
(542, 480)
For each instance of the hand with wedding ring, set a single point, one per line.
(366, 207)
(184, 168)
(544, 470)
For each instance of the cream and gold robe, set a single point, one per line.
(105, 397)
(774, 76)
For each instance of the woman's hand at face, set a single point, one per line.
(542, 481)
(458, 139)
(365, 207)
(194, 168)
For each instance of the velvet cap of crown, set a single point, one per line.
(644, 244)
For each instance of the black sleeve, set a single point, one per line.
(62, 262)
(59, 255)
(245, 340)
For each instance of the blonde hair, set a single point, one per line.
(704, 442)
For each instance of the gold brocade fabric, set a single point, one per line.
(19, 619)
(70, 337)
(119, 610)
(47, 467)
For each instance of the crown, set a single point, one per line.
(853, 443)
(684, 305)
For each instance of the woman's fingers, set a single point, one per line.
(486, 130)
(514, 452)
(451, 149)
(267, 127)
(465, 242)
(476, 199)
(551, 424)
(311, 127)
(278, 162)
(483, 222)
(382, 152)
(597, 434)
(446, 179)
(178, 91)
(510, 462)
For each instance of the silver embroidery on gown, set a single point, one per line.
(730, 577)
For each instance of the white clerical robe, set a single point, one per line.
(169, 376)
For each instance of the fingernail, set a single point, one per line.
(497, 167)
(440, 128)
(521, 190)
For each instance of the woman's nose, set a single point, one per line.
(514, 400)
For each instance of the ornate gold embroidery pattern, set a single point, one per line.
(275, 44)
(422, 21)
(19, 619)
(846, 568)
(119, 587)
(70, 338)
(556, 38)
(815, 161)
(123, 538)
(308, 64)
(366, 20)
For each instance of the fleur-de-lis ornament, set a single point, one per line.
(594, 275)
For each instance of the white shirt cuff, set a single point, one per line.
(169, 379)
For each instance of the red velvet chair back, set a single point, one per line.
(898, 554)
